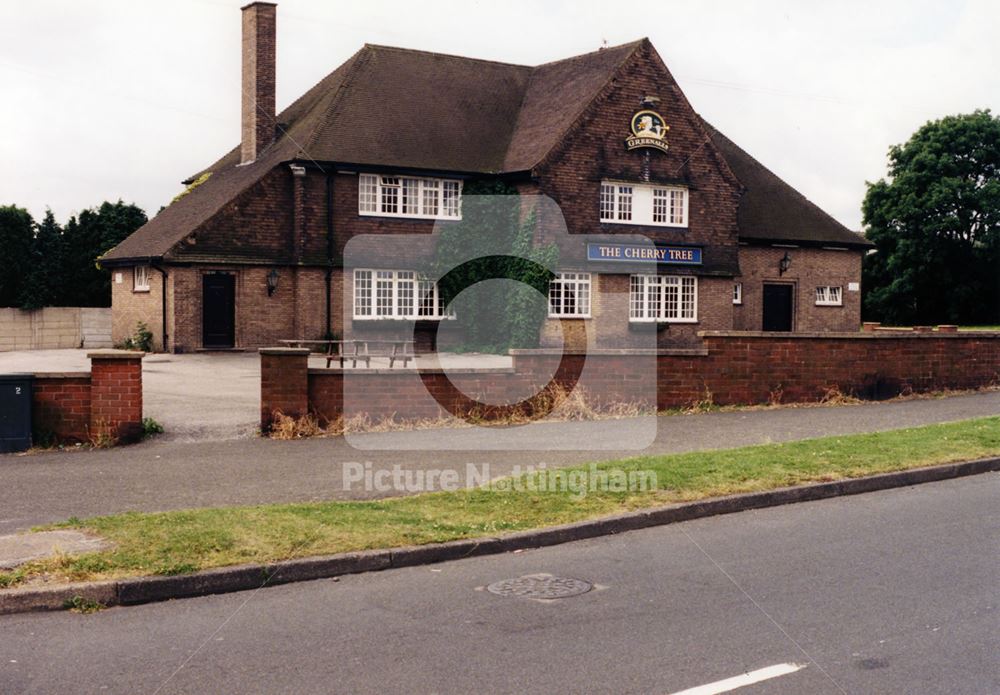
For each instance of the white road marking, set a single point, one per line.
(761, 674)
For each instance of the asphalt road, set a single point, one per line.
(889, 592)
(163, 474)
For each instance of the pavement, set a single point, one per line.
(888, 592)
(163, 474)
(17, 549)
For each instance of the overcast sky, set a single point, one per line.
(108, 99)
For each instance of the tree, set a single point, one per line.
(44, 279)
(936, 225)
(89, 236)
(16, 233)
(492, 274)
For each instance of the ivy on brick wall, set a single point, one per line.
(492, 274)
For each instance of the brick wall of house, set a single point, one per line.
(128, 306)
(595, 150)
(610, 327)
(808, 269)
(297, 309)
(87, 406)
(733, 368)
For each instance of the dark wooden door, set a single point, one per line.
(218, 311)
(777, 307)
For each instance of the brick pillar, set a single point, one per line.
(284, 383)
(116, 394)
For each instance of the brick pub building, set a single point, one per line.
(386, 144)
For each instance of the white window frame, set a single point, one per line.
(641, 204)
(738, 293)
(830, 295)
(647, 298)
(411, 197)
(140, 278)
(580, 284)
(404, 292)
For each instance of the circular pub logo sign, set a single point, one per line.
(648, 130)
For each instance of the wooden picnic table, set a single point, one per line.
(356, 350)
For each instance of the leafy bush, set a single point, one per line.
(150, 427)
(142, 339)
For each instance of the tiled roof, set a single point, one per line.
(772, 211)
(402, 108)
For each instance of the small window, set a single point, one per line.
(624, 203)
(368, 194)
(664, 298)
(607, 201)
(569, 295)
(829, 296)
(140, 278)
(738, 293)
(662, 206)
(392, 196)
(396, 294)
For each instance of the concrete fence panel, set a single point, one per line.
(54, 328)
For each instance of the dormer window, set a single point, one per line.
(408, 196)
(644, 204)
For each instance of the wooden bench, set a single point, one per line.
(395, 350)
(357, 350)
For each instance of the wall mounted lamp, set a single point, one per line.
(784, 264)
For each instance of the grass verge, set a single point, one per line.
(186, 541)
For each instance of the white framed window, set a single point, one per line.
(396, 294)
(140, 278)
(669, 298)
(738, 293)
(829, 295)
(569, 295)
(408, 196)
(626, 203)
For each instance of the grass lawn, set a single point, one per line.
(979, 328)
(186, 541)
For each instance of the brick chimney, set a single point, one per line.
(259, 22)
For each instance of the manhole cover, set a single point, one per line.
(540, 586)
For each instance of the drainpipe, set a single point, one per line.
(329, 254)
(163, 300)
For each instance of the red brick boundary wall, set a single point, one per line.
(732, 368)
(106, 402)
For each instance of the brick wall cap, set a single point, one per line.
(609, 352)
(284, 351)
(880, 334)
(116, 355)
(62, 375)
(413, 372)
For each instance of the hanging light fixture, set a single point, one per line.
(272, 281)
